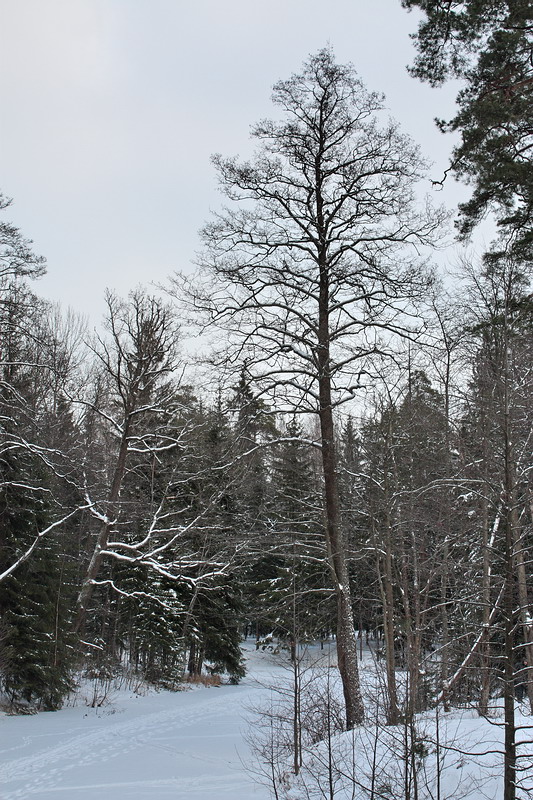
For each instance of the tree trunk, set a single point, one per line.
(444, 584)
(485, 644)
(95, 563)
(526, 663)
(509, 769)
(346, 642)
(387, 600)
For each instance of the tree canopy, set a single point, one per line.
(488, 45)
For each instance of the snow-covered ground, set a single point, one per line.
(193, 744)
(163, 745)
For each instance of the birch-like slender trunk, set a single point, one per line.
(95, 563)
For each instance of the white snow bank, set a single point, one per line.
(164, 745)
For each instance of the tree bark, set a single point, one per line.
(95, 563)
(346, 642)
(385, 578)
(526, 667)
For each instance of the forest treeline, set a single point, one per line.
(146, 523)
(355, 454)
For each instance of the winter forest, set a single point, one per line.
(316, 437)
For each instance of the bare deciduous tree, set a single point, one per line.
(137, 358)
(308, 276)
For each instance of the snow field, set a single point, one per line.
(196, 744)
(176, 745)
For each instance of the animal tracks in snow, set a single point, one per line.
(190, 746)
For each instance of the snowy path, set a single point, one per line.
(167, 745)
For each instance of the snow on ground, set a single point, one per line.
(175, 745)
(451, 756)
(192, 744)
(377, 761)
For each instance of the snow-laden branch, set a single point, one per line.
(24, 557)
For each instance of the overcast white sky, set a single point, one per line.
(110, 110)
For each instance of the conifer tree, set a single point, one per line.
(295, 592)
(36, 599)
(487, 44)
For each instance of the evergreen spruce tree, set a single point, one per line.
(356, 529)
(295, 591)
(36, 656)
